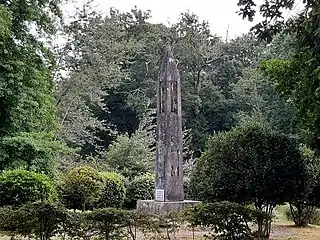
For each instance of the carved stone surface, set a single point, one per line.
(169, 164)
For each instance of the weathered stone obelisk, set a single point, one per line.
(169, 196)
(169, 163)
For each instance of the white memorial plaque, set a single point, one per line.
(159, 195)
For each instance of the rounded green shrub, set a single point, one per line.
(141, 187)
(108, 223)
(113, 192)
(81, 187)
(21, 186)
(38, 220)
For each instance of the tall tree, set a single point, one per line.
(297, 78)
(272, 12)
(113, 57)
(27, 109)
(251, 163)
(26, 86)
(256, 96)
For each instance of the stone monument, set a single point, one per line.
(169, 195)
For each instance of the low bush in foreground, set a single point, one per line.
(40, 220)
(228, 221)
(251, 163)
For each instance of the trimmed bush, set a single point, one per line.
(113, 193)
(226, 220)
(41, 220)
(21, 186)
(81, 187)
(8, 223)
(108, 223)
(251, 163)
(141, 187)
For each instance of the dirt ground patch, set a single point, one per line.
(287, 231)
(281, 230)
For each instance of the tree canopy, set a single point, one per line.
(27, 89)
(251, 163)
(80, 115)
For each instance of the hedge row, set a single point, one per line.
(81, 188)
(46, 220)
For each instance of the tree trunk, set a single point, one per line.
(264, 224)
(301, 214)
(84, 207)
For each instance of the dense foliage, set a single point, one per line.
(131, 156)
(208, 67)
(33, 151)
(297, 78)
(81, 187)
(20, 186)
(306, 199)
(27, 90)
(51, 221)
(246, 163)
(113, 192)
(41, 220)
(227, 220)
(252, 163)
(250, 110)
(141, 187)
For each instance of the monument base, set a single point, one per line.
(154, 207)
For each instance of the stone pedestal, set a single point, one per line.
(154, 207)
